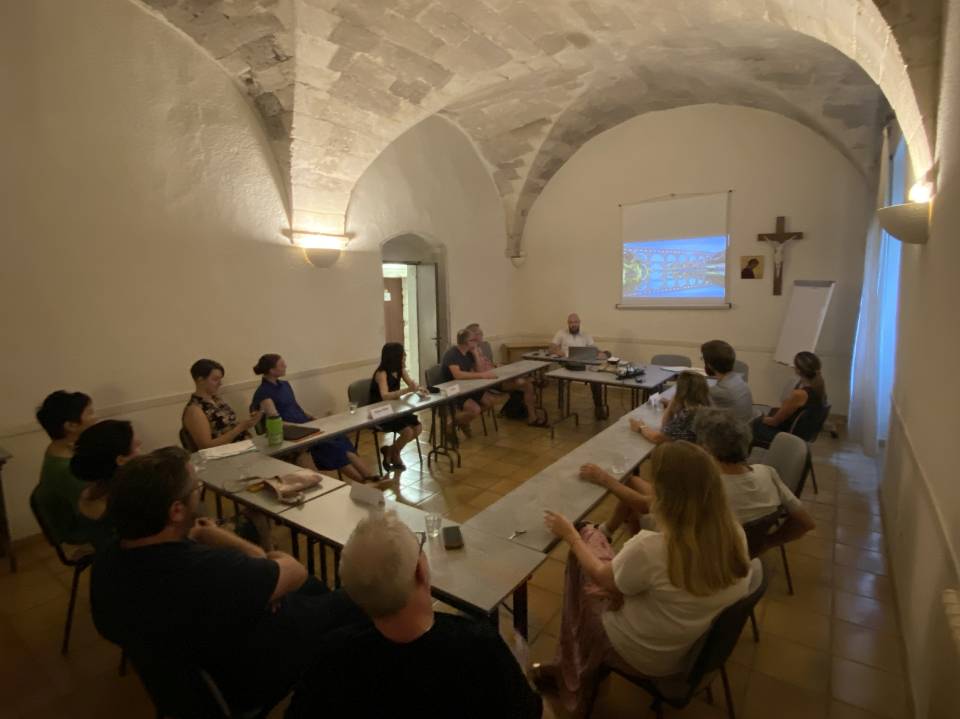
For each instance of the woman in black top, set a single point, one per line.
(810, 393)
(385, 386)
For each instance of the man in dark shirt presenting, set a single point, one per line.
(422, 663)
(182, 595)
(459, 363)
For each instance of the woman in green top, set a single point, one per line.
(63, 415)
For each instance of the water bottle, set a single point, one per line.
(274, 430)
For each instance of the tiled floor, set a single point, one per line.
(830, 650)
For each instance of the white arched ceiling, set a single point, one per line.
(336, 81)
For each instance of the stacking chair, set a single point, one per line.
(359, 391)
(790, 456)
(671, 361)
(807, 426)
(711, 654)
(756, 530)
(741, 368)
(79, 564)
(180, 690)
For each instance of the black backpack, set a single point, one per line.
(514, 408)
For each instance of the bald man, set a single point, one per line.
(573, 337)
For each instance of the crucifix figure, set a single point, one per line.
(779, 239)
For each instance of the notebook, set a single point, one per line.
(293, 432)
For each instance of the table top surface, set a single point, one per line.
(544, 356)
(653, 376)
(482, 573)
(348, 422)
(559, 487)
(218, 473)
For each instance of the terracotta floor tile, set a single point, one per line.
(875, 648)
(842, 710)
(858, 558)
(851, 537)
(865, 584)
(798, 625)
(769, 697)
(550, 576)
(864, 611)
(793, 663)
(868, 688)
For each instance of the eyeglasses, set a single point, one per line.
(422, 539)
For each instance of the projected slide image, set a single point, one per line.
(686, 268)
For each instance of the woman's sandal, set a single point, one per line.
(539, 422)
(397, 463)
(387, 464)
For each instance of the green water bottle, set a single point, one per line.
(274, 430)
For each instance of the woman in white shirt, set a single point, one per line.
(646, 606)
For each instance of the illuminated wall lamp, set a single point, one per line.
(910, 222)
(318, 249)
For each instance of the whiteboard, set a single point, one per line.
(801, 326)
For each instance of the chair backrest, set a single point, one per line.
(757, 529)
(186, 441)
(177, 688)
(722, 637)
(809, 422)
(434, 375)
(48, 534)
(788, 455)
(742, 369)
(671, 360)
(359, 392)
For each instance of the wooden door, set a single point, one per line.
(393, 308)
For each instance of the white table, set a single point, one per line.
(640, 387)
(519, 515)
(476, 578)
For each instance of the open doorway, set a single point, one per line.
(414, 307)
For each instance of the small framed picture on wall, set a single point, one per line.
(751, 267)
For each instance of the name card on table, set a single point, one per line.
(451, 390)
(381, 412)
(365, 494)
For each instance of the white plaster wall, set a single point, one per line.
(774, 165)
(431, 182)
(920, 490)
(141, 230)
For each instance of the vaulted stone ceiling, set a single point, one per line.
(335, 81)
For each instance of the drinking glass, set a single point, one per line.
(353, 407)
(433, 522)
(618, 465)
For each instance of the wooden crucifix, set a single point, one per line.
(779, 239)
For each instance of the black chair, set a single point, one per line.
(79, 564)
(756, 530)
(186, 441)
(711, 654)
(180, 690)
(359, 391)
(807, 426)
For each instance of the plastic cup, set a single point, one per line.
(353, 407)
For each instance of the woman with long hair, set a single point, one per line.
(385, 385)
(692, 393)
(809, 394)
(645, 607)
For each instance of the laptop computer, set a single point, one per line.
(293, 432)
(583, 354)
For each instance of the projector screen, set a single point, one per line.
(675, 252)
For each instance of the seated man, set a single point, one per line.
(483, 356)
(459, 362)
(731, 391)
(422, 663)
(753, 491)
(563, 340)
(178, 591)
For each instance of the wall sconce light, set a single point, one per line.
(518, 259)
(320, 250)
(910, 222)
